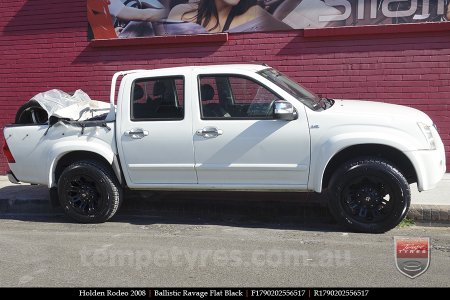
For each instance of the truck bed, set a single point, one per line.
(37, 146)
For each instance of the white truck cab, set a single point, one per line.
(232, 127)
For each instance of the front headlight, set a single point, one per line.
(428, 133)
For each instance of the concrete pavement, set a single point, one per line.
(209, 239)
(430, 207)
(151, 252)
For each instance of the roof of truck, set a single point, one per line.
(248, 67)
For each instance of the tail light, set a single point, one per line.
(8, 153)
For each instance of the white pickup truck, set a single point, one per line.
(231, 127)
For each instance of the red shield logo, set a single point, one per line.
(412, 255)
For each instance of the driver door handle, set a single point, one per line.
(209, 132)
(136, 133)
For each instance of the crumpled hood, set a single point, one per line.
(77, 107)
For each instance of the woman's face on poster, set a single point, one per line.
(231, 2)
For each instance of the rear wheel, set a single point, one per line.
(89, 192)
(54, 198)
(369, 195)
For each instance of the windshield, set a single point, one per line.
(296, 90)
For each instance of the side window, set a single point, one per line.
(157, 99)
(230, 96)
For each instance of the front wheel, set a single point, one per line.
(89, 192)
(369, 195)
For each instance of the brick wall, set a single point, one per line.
(43, 45)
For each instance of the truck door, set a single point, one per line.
(237, 141)
(155, 133)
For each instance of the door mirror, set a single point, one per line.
(283, 110)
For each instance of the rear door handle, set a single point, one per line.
(136, 133)
(209, 132)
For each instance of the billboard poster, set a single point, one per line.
(111, 19)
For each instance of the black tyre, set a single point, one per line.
(54, 198)
(31, 113)
(368, 195)
(89, 192)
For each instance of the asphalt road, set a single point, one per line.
(171, 251)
